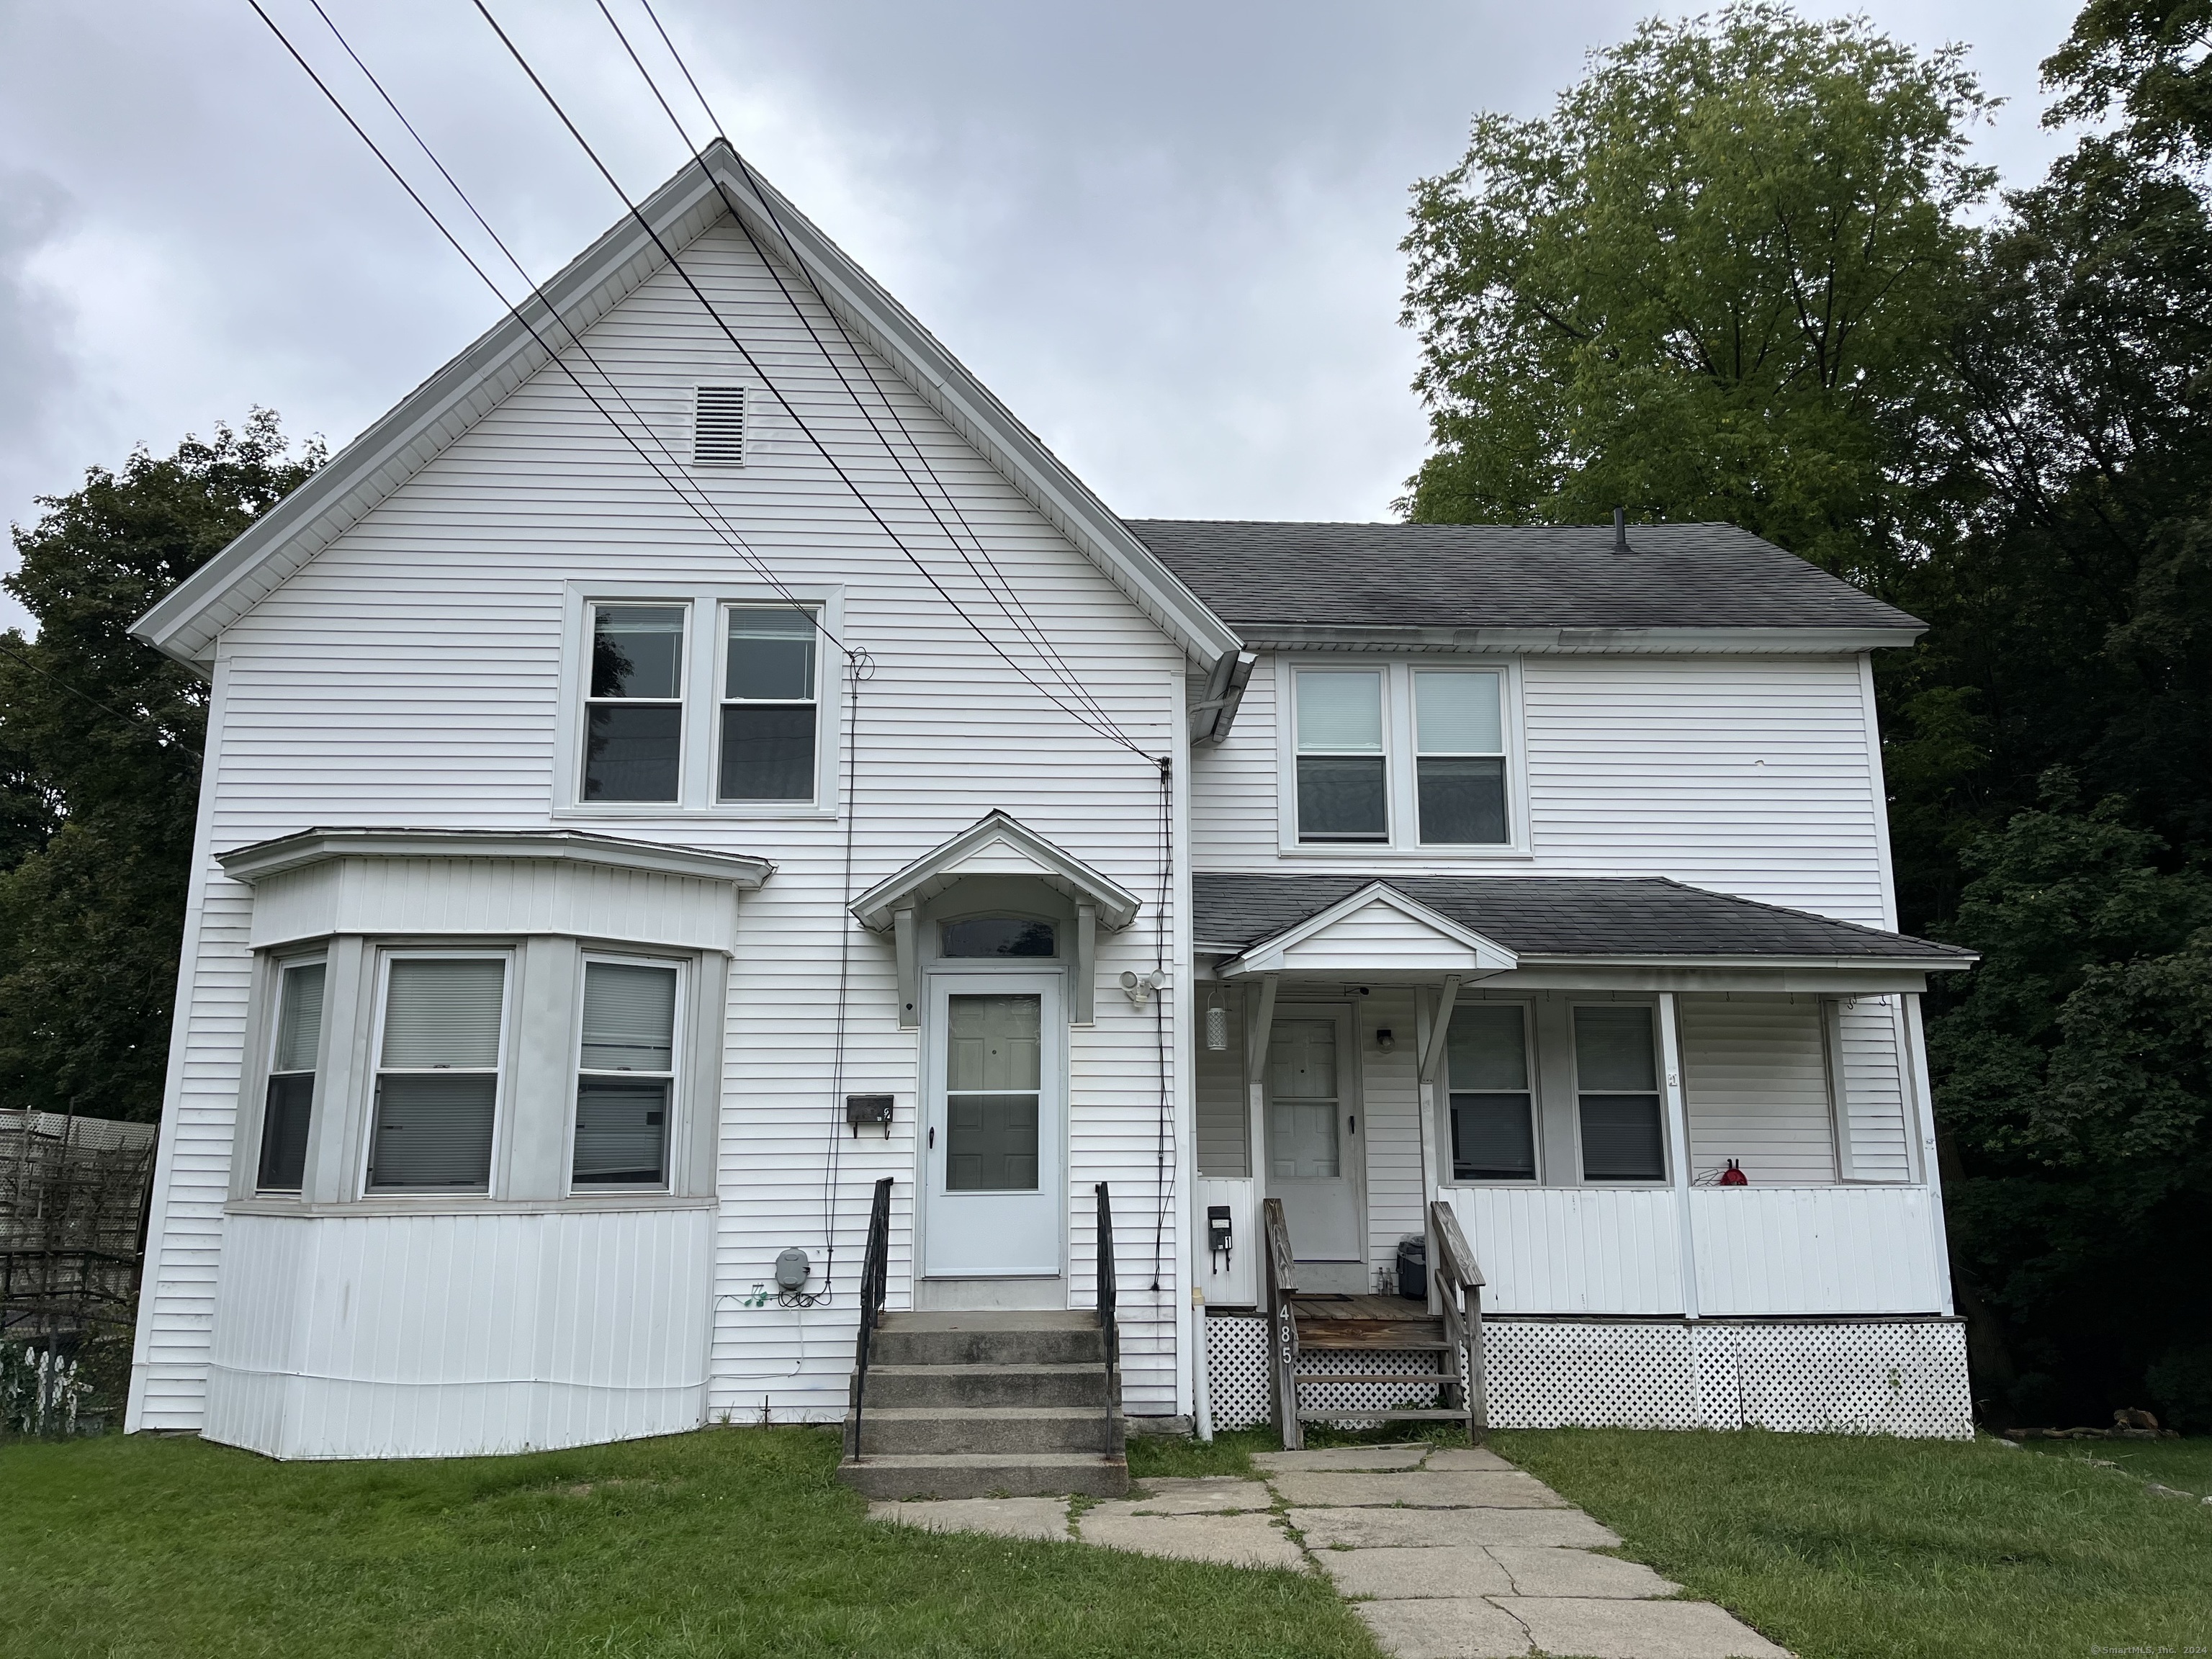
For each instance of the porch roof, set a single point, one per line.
(1622, 918)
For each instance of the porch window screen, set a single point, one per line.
(993, 1072)
(437, 1084)
(1342, 789)
(769, 705)
(634, 707)
(1493, 1123)
(1617, 1085)
(626, 1076)
(1459, 740)
(291, 1095)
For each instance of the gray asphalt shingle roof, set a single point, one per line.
(1426, 576)
(1596, 916)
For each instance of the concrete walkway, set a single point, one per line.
(1445, 1552)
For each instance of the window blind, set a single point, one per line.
(299, 1018)
(629, 1017)
(443, 1012)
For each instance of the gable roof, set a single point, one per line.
(996, 844)
(366, 472)
(1379, 931)
(1267, 578)
(1554, 918)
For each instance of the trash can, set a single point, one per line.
(1413, 1267)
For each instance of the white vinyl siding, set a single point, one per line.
(1748, 774)
(1871, 1045)
(1224, 1103)
(1755, 1077)
(412, 673)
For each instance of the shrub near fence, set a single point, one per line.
(73, 1195)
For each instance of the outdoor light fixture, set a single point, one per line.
(1217, 1024)
(1139, 988)
(1384, 1042)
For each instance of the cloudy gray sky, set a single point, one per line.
(1165, 233)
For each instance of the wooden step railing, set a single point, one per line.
(1457, 1281)
(1281, 1269)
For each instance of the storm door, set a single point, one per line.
(994, 1126)
(1312, 1143)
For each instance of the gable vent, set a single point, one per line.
(718, 427)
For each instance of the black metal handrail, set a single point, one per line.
(1106, 1300)
(875, 1272)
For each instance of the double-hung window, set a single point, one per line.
(768, 712)
(626, 1075)
(1343, 786)
(633, 704)
(1405, 754)
(1492, 1117)
(438, 1074)
(1459, 765)
(1617, 1094)
(290, 1096)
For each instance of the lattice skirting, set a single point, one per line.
(1854, 1377)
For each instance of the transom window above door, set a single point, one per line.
(685, 703)
(1409, 757)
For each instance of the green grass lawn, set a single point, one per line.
(727, 1542)
(1845, 1548)
(736, 1542)
(2184, 1465)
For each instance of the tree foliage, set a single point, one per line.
(1733, 275)
(99, 739)
(1705, 287)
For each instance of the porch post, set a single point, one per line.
(1922, 1104)
(1432, 1058)
(1678, 1144)
(1258, 1019)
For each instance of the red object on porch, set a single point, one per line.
(1733, 1175)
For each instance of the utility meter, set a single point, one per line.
(790, 1270)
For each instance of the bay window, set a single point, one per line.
(626, 1075)
(289, 1098)
(438, 1072)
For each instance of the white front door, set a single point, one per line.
(995, 1135)
(1313, 1145)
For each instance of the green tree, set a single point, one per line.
(100, 741)
(1712, 284)
(2076, 1101)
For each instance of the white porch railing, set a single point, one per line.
(1757, 1251)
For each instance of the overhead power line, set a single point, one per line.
(708, 513)
(1004, 594)
(1107, 730)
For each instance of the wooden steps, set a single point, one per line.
(1439, 1354)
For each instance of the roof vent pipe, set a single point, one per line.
(1621, 530)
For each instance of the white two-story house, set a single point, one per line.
(710, 829)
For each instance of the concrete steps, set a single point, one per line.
(986, 1404)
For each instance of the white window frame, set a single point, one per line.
(1666, 1176)
(723, 614)
(1399, 736)
(685, 715)
(501, 1107)
(704, 642)
(679, 1056)
(1528, 1039)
